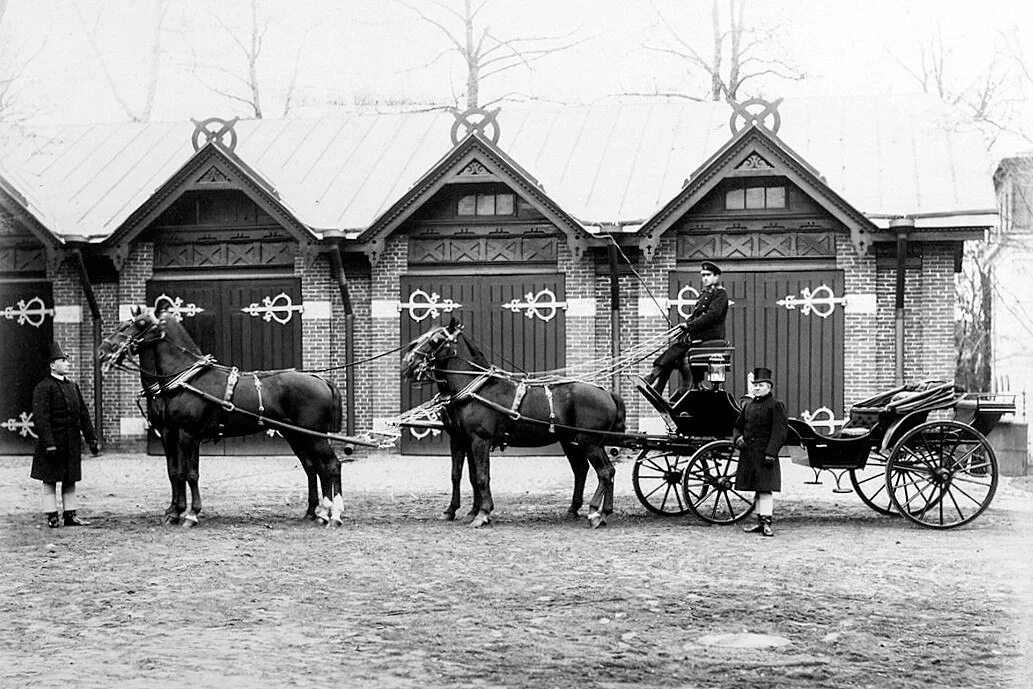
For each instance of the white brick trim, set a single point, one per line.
(315, 310)
(860, 303)
(647, 308)
(131, 426)
(68, 314)
(581, 306)
(384, 308)
(651, 424)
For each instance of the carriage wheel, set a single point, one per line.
(709, 485)
(657, 478)
(942, 474)
(870, 485)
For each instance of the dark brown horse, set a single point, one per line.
(187, 403)
(482, 415)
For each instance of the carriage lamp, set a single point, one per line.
(717, 369)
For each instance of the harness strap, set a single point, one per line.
(518, 395)
(552, 409)
(180, 379)
(258, 389)
(231, 383)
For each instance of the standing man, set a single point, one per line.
(704, 326)
(60, 415)
(760, 431)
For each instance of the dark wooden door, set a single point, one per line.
(803, 346)
(26, 326)
(252, 324)
(494, 313)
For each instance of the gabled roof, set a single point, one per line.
(26, 211)
(612, 163)
(474, 159)
(213, 167)
(755, 151)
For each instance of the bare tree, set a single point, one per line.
(13, 64)
(248, 85)
(483, 53)
(739, 52)
(143, 112)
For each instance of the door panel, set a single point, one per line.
(22, 363)
(804, 350)
(236, 338)
(507, 336)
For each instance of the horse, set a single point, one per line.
(490, 408)
(191, 398)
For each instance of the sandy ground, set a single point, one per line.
(255, 596)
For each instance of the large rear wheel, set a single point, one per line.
(709, 484)
(942, 474)
(657, 477)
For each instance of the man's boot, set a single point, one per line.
(755, 528)
(52, 520)
(765, 526)
(72, 520)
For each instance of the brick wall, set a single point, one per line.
(379, 387)
(121, 388)
(579, 279)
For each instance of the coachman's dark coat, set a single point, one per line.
(59, 415)
(762, 426)
(706, 322)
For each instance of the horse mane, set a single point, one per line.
(476, 355)
(178, 334)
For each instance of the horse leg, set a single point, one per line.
(304, 447)
(190, 453)
(458, 457)
(313, 489)
(177, 483)
(480, 451)
(329, 466)
(602, 502)
(471, 468)
(579, 465)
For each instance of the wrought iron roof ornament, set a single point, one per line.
(214, 129)
(755, 111)
(478, 120)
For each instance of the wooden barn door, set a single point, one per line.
(252, 324)
(508, 316)
(27, 326)
(803, 346)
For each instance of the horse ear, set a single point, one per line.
(454, 325)
(134, 311)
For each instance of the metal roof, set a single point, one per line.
(609, 163)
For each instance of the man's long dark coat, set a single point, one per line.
(59, 415)
(763, 428)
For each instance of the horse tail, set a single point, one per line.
(619, 422)
(335, 407)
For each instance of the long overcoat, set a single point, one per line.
(59, 416)
(762, 426)
(706, 322)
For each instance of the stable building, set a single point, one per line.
(557, 235)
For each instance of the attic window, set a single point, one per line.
(485, 204)
(754, 198)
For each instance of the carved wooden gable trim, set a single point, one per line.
(755, 161)
(213, 175)
(756, 245)
(475, 171)
(490, 249)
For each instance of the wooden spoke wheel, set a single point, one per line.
(942, 474)
(709, 485)
(870, 485)
(657, 477)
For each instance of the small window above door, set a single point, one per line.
(486, 204)
(756, 197)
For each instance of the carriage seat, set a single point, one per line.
(703, 354)
(897, 403)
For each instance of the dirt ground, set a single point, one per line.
(396, 598)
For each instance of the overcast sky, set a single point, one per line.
(377, 50)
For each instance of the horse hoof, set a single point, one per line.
(189, 522)
(595, 520)
(310, 516)
(572, 516)
(480, 520)
(334, 523)
(447, 516)
(171, 520)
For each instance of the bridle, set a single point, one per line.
(430, 348)
(148, 332)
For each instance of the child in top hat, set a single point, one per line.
(760, 431)
(59, 416)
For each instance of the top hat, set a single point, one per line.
(54, 352)
(762, 375)
(711, 266)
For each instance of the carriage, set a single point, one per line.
(919, 450)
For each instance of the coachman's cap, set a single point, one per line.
(762, 375)
(54, 352)
(712, 267)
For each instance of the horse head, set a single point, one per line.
(141, 329)
(428, 350)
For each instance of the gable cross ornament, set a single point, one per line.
(479, 120)
(755, 111)
(214, 129)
